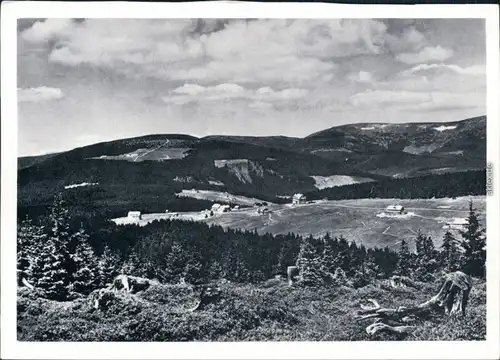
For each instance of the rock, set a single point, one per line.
(102, 299)
(132, 284)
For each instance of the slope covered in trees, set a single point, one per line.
(60, 259)
(60, 262)
(423, 187)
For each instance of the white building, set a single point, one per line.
(457, 224)
(219, 208)
(134, 215)
(395, 209)
(299, 199)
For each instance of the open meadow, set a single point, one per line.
(364, 221)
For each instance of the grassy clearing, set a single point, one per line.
(270, 311)
(356, 219)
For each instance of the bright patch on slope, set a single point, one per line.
(443, 128)
(216, 182)
(367, 128)
(154, 154)
(396, 216)
(241, 168)
(323, 182)
(217, 196)
(80, 185)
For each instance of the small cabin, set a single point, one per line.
(398, 209)
(219, 208)
(136, 215)
(299, 199)
(457, 224)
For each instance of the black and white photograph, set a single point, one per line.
(252, 179)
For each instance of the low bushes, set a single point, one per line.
(241, 313)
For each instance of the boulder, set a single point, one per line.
(292, 273)
(131, 284)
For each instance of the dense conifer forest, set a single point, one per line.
(422, 187)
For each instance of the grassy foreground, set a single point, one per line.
(270, 311)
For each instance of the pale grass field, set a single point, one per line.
(356, 220)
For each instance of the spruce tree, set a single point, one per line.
(215, 270)
(176, 261)
(108, 266)
(132, 265)
(403, 267)
(329, 257)
(449, 253)
(86, 276)
(27, 237)
(474, 245)
(52, 278)
(309, 264)
(52, 266)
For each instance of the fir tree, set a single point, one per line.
(425, 259)
(86, 275)
(132, 265)
(52, 278)
(329, 257)
(449, 253)
(215, 270)
(27, 238)
(176, 261)
(403, 267)
(108, 266)
(309, 264)
(474, 246)
(52, 266)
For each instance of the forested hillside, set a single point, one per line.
(422, 187)
(61, 263)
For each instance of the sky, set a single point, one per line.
(83, 81)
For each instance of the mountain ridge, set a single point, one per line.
(149, 170)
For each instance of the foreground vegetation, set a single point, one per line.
(268, 311)
(59, 266)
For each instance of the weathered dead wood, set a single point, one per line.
(452, 296)
(27, 284)
(401, 282)
(207, 295)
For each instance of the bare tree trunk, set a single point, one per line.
(453, 296)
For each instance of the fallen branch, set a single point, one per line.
(27, 284)
(453, 296)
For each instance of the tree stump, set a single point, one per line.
(208, 295)
(453, 296)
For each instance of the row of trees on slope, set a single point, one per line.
(328, 261)
(422, 187)
(60, 261)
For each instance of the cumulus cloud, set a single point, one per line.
(410, 40)
(39, 94)
(42, 31)
(470, 70)
(362, 77)
(429, 54)
(259, 98)
(238, 51)
(305, 67)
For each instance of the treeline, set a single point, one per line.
(61, 261)
(422, 187)
(327, 260)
